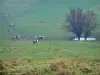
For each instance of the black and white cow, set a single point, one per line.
(12, 38)
(39, 37)
(17, 37)
(9, 32)
(35, 41)
(12, 25)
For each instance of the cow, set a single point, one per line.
(39, 37)
(17, 37)
(13, 38)
(35, 41)
(9, 32)
(12, 25)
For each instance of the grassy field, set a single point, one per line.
(50, 49)
(29, 14)
(51, 57)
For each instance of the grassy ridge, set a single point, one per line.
(29, 14)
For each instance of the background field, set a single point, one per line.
(27, 16)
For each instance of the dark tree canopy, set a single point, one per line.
(76, 21)
(90, 23)
(80, 22)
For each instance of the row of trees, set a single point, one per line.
(81, 22)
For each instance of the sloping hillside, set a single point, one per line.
(40, 17)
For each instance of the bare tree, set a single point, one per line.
(76, 20)
(80, 22)
(90, 23)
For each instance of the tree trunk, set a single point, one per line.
(86, 35)
(85, 38)
(79, 38)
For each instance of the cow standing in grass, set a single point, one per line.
(12, 38)
(35, 41)
(12, 25)
(40, 37)
(37, 38)
(17, 37)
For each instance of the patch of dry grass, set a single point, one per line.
(57, 66)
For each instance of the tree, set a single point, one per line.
(90, 23)
(81, 22)
(76, 20)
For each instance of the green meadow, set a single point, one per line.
(50, 49)
(51, 57)
(55, 55)
(27, 16)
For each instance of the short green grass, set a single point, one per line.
(50, 57)
(50, 49)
